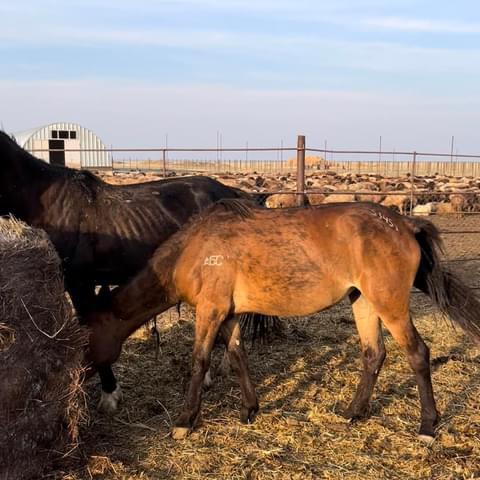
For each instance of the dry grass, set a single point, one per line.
(304, 381)
(303, 384)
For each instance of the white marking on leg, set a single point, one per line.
(109, 401)
(207, 381)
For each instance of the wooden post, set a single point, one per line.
(301, 170)
(412, 179)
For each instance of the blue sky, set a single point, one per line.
(260, 71)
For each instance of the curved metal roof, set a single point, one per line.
(87, 139)
(22, 137)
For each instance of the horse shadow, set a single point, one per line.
(154, 373)
(289, 373)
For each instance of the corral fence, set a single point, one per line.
(278, 160)
(301, 162)
(244, 160)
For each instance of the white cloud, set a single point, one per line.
(420, 25)
(186, 38)
(140, 114)
(366, 55)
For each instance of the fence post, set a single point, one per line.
(301, 170)
(412, 179)
(164, 164)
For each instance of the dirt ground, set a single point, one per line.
(303, 382)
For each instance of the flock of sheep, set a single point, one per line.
(431, 194)
(434, 194)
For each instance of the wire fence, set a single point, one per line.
(461, 229)
(275, 160)
(246, 160)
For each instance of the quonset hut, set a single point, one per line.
(50, 142)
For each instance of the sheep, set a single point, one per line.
(281, 200)
(400, 202)
(425, 209)
(316, 198)
(368, 196)
(341, 197)
(444, 207)
(459, 202)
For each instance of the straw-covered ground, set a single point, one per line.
(304, 381)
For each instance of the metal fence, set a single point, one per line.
(301, 161)
(343, 161)
(277, 160)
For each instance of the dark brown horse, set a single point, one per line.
(104, 233)
(289, 263)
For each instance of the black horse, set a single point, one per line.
(104, 234)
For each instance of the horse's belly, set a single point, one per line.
(288, 302)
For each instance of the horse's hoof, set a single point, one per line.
(355, 412)
(426, 439)
(180, 433)
(109, 401)
(354, 416)
(247, 415)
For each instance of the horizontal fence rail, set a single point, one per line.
(385, 163)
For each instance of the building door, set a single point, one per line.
(57, 152)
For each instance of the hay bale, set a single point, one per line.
(41, 401)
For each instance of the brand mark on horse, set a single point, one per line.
(386, 219)
(214, 260)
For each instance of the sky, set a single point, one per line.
(257, 71)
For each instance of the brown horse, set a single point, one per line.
(289, 263)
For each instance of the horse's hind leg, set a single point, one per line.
(209, 317)
(231, 334)
(418, 354)
(373, 354)
(223, 369)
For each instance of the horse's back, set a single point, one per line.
(307, 256)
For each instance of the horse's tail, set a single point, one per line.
(257, 327)
(241, 194)
(255, 198)
(449, 294)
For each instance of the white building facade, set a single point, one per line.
(52, 143)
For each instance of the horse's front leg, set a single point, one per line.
(82, 294)
(103, 351)
(111, 394)
(209, 317)
(84, 301)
